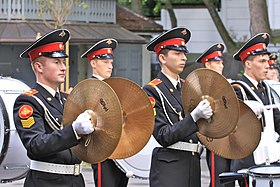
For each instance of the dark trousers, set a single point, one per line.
(220, 165)
(111, 175)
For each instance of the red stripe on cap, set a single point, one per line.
(271, 62)
(211, 55)
(173, 41)
(35, 53)
(102, 51)
(248, 51)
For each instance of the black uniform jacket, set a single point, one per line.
(172, 167)
(42, 142)
(249, 160)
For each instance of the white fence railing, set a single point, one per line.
(95, 10)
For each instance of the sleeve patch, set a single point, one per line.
(27, 123)
(25, 111)
(153, 101)
(155, 82)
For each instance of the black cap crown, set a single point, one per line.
(213, 53)
(102, 49)
(273, 61)
(255, 46)
(174, 39)
(49, 45)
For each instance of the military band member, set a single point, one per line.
(273, 70)
(100, 57)
(252, 90)
(177, 162)
(38, 117)
(212, 59)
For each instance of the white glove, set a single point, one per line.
(202, 110)
(256, 106)
(83, 125)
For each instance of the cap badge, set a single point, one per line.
(264, 36)
(62, 34)
(184, 32)
(219, 46)
(109, 42)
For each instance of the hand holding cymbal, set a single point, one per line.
(106, 115)
(207, 84)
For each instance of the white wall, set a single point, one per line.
(274, 13)
(234, 14)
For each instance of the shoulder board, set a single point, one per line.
(30, 92)
(155, 82)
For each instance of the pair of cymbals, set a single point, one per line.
(123, 118)
(233, 131)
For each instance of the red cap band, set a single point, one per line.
(103, 51)
(211, 55)
(35, 53)
(173, 41)
(248, 51)
(271, 62)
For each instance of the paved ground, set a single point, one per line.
(87, 172)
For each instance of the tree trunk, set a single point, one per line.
(230, 44)
(136, 6)
(171, 12)
(259, 17)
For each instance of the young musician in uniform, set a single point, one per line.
(252, 90)
(212, 59)
(273, 70)
(38, 118)
(177, 162)
(100, 57)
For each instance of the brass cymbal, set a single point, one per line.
(98, 96)
(242, 141)
(138, 117)
(205, 83)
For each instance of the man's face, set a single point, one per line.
(51, 71)
(257, 67)
(272, 74)
(174, 61)
(217, 66)
(102, 67)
